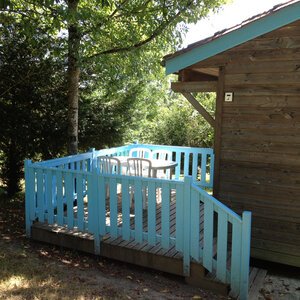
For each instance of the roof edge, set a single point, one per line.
(263, 25)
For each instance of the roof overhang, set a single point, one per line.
(278, 18)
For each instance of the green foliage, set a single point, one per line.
(122, 85)
(32, 103)
(178, 123)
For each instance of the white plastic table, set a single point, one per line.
(156, 164)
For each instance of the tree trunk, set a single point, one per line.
(73, 74)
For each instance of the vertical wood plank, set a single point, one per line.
(208, 235)
(187, 225)
(186, 163)
(195, 225)
(165, 216)
(203, 168)
(125, 210)
(211, 170)
(93, 210)
(138, 210)
(69, 199)
(245, 254)
(29, 196)
(152, 214)
(177, 169)
(102, 207)
(40, 195)
(113, 207)
(179, 216)
(236, 256)
(59, 201)
(49, 197)
(195, 166)
(222, 245)
(80, 202)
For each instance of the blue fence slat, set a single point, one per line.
(138, 210)
(236, 257)
(113, 207)
(195, 166)
(125, 210)
(179, 217)
(222, 246)
(69, 199)
(40, 195)
(49, 196)
(186, 163)
(195, 225)
(208, 235)
(203, 168)
(245, 254)
(29, 196)
(152, 213)
(80, 201)
(211, 170)
(165, 216)
(186, 225)
(102, 205)
(59, 199)
(177, 169)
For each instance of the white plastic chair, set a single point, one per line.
(162, 155)
(139, 167)
(108, 165)
(140, 153)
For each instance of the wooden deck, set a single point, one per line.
(142, 254)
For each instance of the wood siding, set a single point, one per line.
(260, 145)
(260, 140)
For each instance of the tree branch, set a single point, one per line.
(139, 44)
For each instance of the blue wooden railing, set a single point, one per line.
(53, 186)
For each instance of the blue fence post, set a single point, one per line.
(187, 225)
(93, 161)
(245, 254)
(29, 195)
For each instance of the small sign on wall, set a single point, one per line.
(228, 97)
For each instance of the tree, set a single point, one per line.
(32, 102)
(100, 29)
(178, 123)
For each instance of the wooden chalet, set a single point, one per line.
(254, 68)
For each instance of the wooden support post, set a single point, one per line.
(200, 109)
(218, 127)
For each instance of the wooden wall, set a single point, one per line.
(260, 140)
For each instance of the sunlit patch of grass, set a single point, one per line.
(14, 282)
(36, 275)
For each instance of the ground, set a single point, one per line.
(31, 270)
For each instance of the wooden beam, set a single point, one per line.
(218, 128)
(200, 109)
(188, 75)
(209, 71)
(196, 86)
